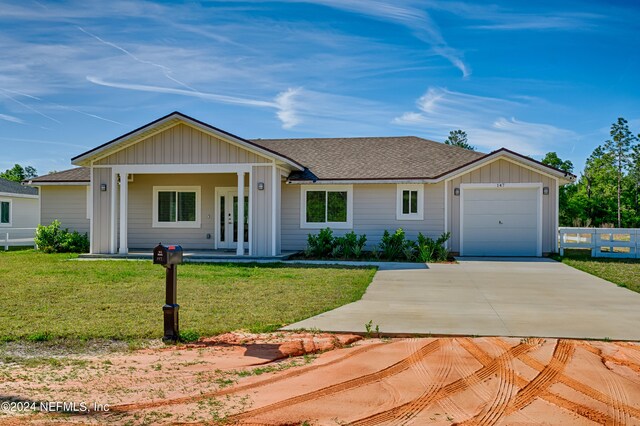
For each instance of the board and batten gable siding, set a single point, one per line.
(101, 223)
(68, 204)
(503, 171)
(182, 144)
(262, 211)
(374, 211)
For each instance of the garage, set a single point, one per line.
(501, 219)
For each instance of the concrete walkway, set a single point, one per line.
(488, 297)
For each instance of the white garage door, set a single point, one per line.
(500, 221)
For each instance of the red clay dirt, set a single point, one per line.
(272, 379)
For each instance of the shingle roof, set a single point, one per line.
(79, 174)
(11, 187)
(402, 157)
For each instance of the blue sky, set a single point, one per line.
(531, 76)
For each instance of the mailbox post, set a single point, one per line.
(170, 257)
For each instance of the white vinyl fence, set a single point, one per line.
(17, 237)
(603, 242)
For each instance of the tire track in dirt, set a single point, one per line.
(562, 355)
(618, 400)
(495, 410)
(459, 385)
(552, 398)
(580, 387)
(243, 388)
(432, 382)
(393, 369)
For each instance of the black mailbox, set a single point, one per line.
(167, 255)
(170, 257)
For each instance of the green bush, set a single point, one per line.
(325, 245)
(392, 246)
(52, 239)
(351, 245)
(430, 250)
(320, 245)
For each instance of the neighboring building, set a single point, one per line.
(179, 180)
(19, 213)
(64, 196)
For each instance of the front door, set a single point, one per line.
(227, 206)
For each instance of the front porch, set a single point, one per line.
(193, 256)
(199, 208)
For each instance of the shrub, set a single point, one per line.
(351, 245)
(320, 245)
(52, 239)
(430, 250)
(392, 245)
(325, 245)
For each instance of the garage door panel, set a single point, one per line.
(508, 221)
(501, 194)
(500, 222)
(494, 235)
(510, 206)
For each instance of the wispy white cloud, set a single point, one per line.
(405, 13)
(494, 17)
(165, 70)
(484, 119)
(170, 90)
(27, 106)
(286, 102)
(11, 118)
(61, 107)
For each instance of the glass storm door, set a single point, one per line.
(228, 219)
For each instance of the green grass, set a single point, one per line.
(51, 296)
(623, 272)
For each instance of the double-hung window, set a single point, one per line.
(410, 202)
(5, 213)
(326, 206)
(176, 207)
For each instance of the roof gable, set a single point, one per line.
(167, 122)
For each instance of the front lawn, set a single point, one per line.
(46, 296)
(624, 272)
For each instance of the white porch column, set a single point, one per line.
(113, 240)
(240, 236)
(124, 204)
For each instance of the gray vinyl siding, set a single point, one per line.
(101, 211)
(24, 217)
(182, 144)
(142, 234)
(262, 211)
(68, 204)
(374, 211)
(502, 171)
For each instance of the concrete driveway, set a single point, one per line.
(490, 297)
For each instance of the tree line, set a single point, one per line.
(607, 192)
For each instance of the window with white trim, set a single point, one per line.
(5, 213)
(176, 207)
(410, 202)
(324, 206)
